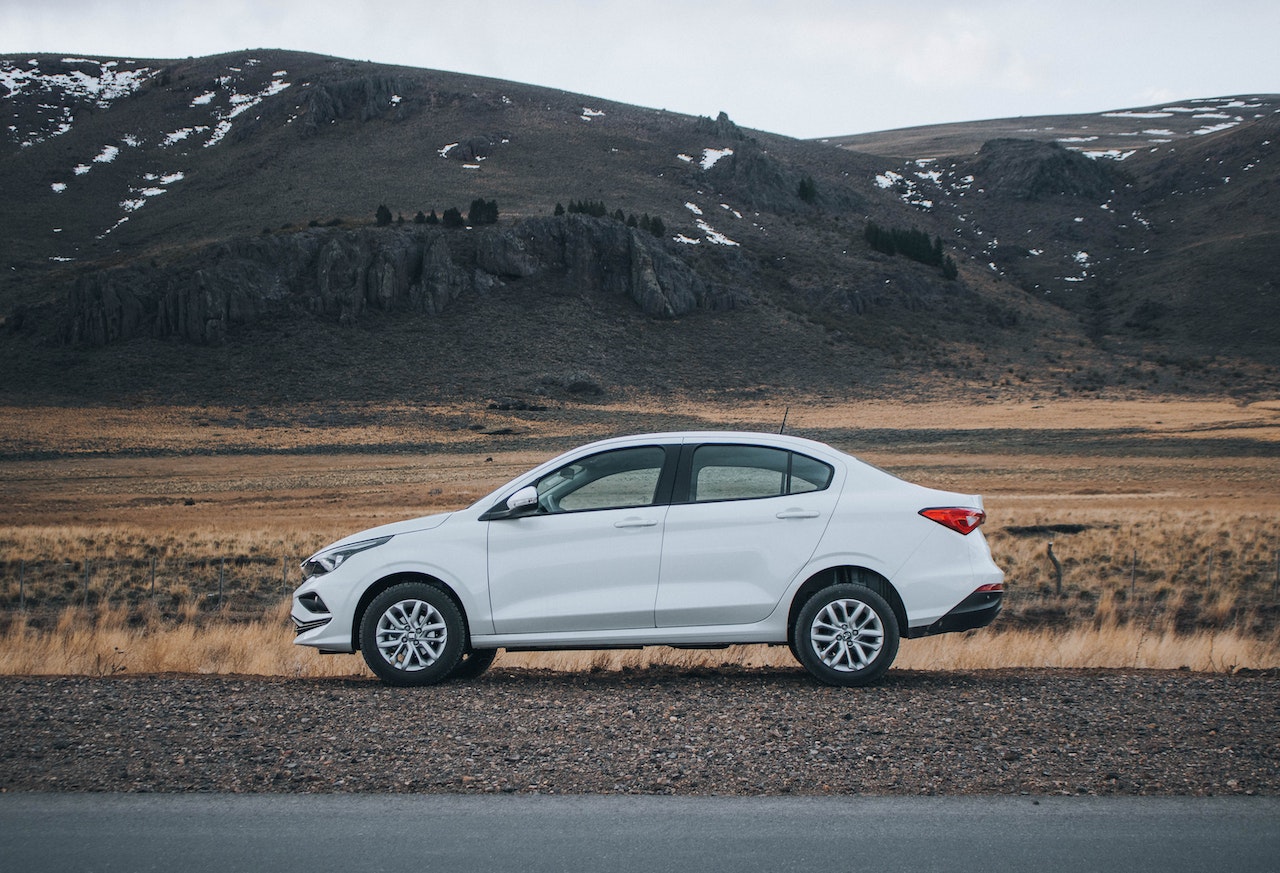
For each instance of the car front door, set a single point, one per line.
(752, 519)
(589, 558)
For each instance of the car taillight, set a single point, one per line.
(962, 519)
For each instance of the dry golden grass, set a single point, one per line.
(108, 642)
(1192, 569)
(1172, 560)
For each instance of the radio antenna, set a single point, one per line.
(785, 413)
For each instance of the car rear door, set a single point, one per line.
(750, 519)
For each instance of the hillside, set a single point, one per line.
(205, 230)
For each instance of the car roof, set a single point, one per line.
(784, 441)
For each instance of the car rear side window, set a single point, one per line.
(808, 474)
(749, 472)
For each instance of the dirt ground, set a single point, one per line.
(337, 470)
(730, 731)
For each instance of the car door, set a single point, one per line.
(751, 519)
(589, 559)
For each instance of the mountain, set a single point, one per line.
(1117, 134)
(255, 227)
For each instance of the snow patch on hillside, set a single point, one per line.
(709, 233)
(96, 82)
(710, 157)
(107, 84)
(1109, 154)
(908, 190)
(180, 134)
(239, 103)
(153, 185)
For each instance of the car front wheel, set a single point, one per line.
(846, 635)
(412, 634)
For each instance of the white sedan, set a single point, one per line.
(698, 540)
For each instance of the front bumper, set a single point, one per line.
(314, 624)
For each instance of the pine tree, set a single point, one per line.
(383, 215)
(880, 239)
(453, 218)
(419, 218)
(559, 210)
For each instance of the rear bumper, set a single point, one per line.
(979, 609)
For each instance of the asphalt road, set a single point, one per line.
(361, 832)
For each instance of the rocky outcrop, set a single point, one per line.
(1030, 170)
(754, 178)
(340, 274)
(722, 128)
(362, 98)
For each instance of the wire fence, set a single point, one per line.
(1135, 572)
(244, 581)
(166, 581)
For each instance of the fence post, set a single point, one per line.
(22, 584)
(153, 577)
(222, 574)
(86, 583)
(1133, 575)
(1057, 568)
(1208, 578)
(284, 574)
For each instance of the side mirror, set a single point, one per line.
(523, 502)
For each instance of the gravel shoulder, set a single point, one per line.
(654, 731)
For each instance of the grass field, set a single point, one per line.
(167, 538)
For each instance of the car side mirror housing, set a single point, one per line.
(523, 502)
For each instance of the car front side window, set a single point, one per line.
(609, 480)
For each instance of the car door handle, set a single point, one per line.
(636, 521)
(799, 513)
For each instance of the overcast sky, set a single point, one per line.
(804, 68)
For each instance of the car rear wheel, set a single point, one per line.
(412, 634)
(846, 635)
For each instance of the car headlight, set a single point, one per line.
(331, 559)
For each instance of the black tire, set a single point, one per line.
(846, 635)
(473, 663)
(412, 634)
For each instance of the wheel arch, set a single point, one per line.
(395, 579)
(869, 579)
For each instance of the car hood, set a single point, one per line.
(412, 525)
